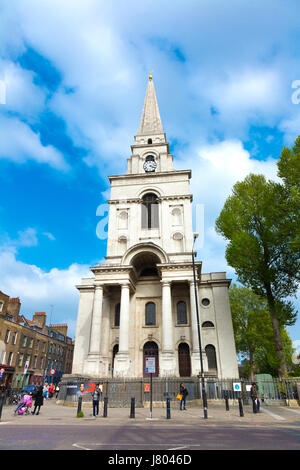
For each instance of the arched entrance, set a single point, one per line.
(150, 350)
(184, 360)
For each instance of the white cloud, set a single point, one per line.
(39, 289)
(49, 235)
(19, 144)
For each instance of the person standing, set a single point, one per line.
(184, 393)
(254, 396)
(45, 390)
(96, 397)
(39, 400)
(56, 390)
(51, 390)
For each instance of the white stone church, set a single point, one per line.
(141, 302)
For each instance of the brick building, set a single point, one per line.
(30, 349)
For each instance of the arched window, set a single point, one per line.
(211, 357)
(207, 324)
(117, 315)
(181, 313)
(149, 211)
(150, 314)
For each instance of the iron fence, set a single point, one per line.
(120, 391)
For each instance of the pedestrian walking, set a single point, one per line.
(96, 397)
(51, 390)
(56, 390)
(38, 399)
(45, 390)
(183, 391)
(254, 397)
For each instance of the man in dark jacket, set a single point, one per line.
(38, 400)
(184, 393)
(96, 397)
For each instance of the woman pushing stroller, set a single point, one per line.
(24, 405)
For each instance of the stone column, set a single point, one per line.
(124, 319)
(122, 363)
(167, 324)
(92, 362)
(167, 357)
(96, 321)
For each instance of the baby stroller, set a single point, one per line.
(24, 405)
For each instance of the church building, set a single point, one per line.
(141, 303)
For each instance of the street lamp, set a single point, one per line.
(199, 337)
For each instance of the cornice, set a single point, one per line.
(147, 175)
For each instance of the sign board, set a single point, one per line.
(2, 371)
(248, 388)
(150, 365)
(237, 387)
(146, 387)
(52, 371)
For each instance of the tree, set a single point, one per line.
(251, 325)
(259, 222)
(289, 170)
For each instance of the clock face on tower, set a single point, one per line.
(150, 164)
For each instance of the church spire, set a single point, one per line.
(150, 124)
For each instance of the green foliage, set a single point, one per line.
(80, 414)
(253, 332)
(261, 221)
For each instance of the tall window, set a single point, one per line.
(150, 314)
(181, 313)
(117, 315)
(211, 357)
(150, 211)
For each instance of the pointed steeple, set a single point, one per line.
(150, 124)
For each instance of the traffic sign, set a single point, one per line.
(237, 387)
(52, 371)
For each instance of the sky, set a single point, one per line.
(73, 78)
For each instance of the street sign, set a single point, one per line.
(150, 365)
(52, 371)
(237, 387)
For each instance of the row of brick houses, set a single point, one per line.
(29, 349)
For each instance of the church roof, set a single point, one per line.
(150, 120)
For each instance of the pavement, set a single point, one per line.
(53, 413)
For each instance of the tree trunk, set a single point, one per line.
(282, 370)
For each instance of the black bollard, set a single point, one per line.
(241, 407)
(168, 408)
(227, 403)
(105, 407)
(2, 399)
(132, 409)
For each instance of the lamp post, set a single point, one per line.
(204, 399)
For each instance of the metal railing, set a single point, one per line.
(121, 391)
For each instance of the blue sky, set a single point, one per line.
(75, 75)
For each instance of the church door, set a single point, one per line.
(184, 360)
(150, 350)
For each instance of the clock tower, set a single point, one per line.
(141, 302)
